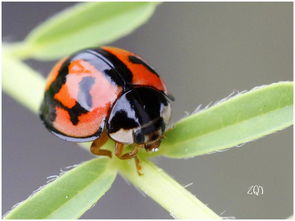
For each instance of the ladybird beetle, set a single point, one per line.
(106, 92)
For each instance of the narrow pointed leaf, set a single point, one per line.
(246, 117)
(70, 195)
(85, 25)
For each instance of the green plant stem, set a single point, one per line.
(21, 82)
(20, 50)
(173, 197)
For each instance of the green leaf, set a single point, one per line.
(84, 25)
(173, 197)
(69, 196)
(246, 117)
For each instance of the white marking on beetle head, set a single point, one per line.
(123, 136)
(166, 113)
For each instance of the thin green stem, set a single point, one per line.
(173, 197)
(21, 82)
(20, 50)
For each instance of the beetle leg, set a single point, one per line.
(98, 143)
(119, 147)
(119, 150)
(131, 154)
(138, 166)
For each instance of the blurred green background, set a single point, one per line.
(204, 52)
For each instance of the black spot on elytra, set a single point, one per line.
(47, 109)
(114, 77)
(102, 64)
(120, 73)
(75, 112)
(60, 79)
(136, 60)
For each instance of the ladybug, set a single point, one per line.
(106, 92)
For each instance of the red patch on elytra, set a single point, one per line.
(103, 94)
(79, 67)
(88, 123)
(64, 97)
